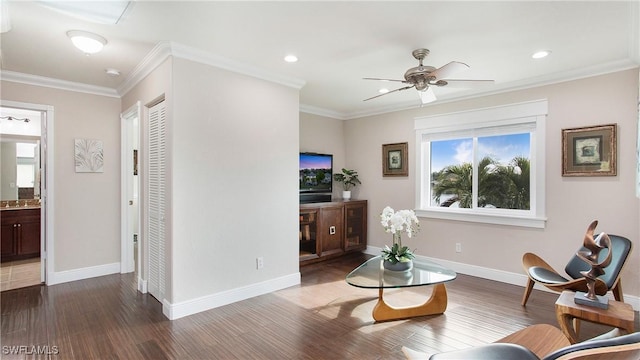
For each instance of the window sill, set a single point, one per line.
(498, 219)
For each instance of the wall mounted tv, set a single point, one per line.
(316, 176)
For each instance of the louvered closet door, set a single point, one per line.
(156, 199)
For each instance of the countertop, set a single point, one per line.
(20, 208)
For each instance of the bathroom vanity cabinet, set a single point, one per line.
(20, 234)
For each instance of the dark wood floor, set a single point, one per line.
(323, 318)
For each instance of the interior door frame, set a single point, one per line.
(127, 261)
(46, 187)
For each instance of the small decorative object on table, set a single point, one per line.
(398, 257)
(349, 179)
(590, 256)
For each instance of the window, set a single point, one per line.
(484, 165)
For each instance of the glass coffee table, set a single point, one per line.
(372, 275)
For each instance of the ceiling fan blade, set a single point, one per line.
(449, 69)
(427, 96)
(384, 79)
(400, 89)
(468, 83)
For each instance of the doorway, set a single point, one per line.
(23, 194)
(130, 193)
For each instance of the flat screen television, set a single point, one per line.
(316, 176)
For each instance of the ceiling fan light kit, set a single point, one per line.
(423, 77)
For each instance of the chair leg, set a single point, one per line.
(527, 291)
(617, 291)
(576, 326)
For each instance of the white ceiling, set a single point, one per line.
(339, 42)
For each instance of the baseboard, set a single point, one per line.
(492, 274)
(208, 302)
(60, 277)
(142, 285)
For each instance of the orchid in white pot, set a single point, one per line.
(396, 223)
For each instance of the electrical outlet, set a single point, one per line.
(458, 247)
(259, 263)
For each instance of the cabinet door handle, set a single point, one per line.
(19, 225)
(15, 225)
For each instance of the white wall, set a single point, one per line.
(571, 202)
(325, 135)
(87, 219)
(235, 175)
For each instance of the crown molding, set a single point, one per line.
(207, 58)
(36, 80)
(572, 75)
(166, 48)
(150, 62)
(314, 110)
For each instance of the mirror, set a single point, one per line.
(20, 131)
(20, 168)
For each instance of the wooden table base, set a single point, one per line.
(436, 304)
(619, 315)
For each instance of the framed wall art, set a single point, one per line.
(589, 151)
(89, 156)
(395, 159)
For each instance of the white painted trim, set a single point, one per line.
(314, 110)
(142, 285)
(492, 274)
(207, 302)
(83, 273)
(208, 58)
(490, 116)
(551, 79)
(151, 61)
(165, 49)
(126, 249)
(36, 80)
(503, 219)
(525, 116)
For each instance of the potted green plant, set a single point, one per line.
(349, 179)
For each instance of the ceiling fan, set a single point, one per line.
(423, 77)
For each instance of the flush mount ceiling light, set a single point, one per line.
(87, 42)
(541, 54)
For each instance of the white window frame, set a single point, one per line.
(528, 116)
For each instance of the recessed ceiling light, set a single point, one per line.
(112, 72)
(290, 58)
(87, 42)
(383, 91)
(541, 54)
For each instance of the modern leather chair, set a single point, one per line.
(622, 347)
(541, 272)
